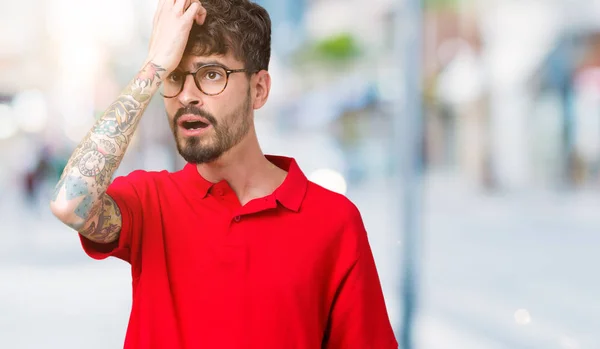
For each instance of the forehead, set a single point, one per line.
(192, 62)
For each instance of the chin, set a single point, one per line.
(196, 158)
(190, 142)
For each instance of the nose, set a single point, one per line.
(190, 94)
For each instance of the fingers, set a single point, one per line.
(191, 8)
(181, 6)
(159, 8)
(196, 12)
(201, 15)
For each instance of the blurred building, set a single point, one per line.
(499, 112)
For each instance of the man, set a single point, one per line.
(238, 249)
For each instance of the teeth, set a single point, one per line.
(194, 125)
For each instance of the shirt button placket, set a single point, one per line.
(237, 218)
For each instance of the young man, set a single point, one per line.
(238, 249)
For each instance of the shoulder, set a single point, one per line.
(146, 176)
(337, 217)
(140, 187)
(332, 207)
(336, 223)
(142, 179)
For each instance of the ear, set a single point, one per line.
(262, 87)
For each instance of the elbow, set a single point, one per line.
(58, 209)
(66, 214)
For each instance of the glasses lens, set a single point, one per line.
(172, 84)
(212, 79)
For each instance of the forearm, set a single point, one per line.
(90, 169)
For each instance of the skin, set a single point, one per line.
(80, 200)
(243, 166)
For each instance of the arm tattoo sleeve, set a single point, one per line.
(88, 173)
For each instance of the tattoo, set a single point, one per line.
(83, 210)
(95, 210)
(108, 146)
(75, 187)
(123, 114)
(107, 233)
(147, 76)
(89, 230)
(59, 186)
(108, 225)
(119, 119)
(93, 163)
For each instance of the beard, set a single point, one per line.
(227, 133)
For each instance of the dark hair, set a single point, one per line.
(238, 26)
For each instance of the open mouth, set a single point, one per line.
(194, 125)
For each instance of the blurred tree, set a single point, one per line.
(441, 4)
(339, 48)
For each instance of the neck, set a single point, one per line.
(246, 169)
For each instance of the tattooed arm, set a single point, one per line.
(80, 198)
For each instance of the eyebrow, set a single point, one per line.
(202, 63)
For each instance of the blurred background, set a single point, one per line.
(466, 131)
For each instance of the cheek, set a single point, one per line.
(228, 107)
(170, 109)
(170, 103)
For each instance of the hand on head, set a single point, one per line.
(172, 23)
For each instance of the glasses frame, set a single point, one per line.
(193, 74)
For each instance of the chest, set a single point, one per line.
(214, 251)
(264, 272)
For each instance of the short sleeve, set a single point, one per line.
(359, 318)
(123, 192)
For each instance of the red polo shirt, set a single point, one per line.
(293, 270)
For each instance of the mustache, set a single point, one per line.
(191, 109)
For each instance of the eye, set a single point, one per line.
(174, 77)
(213, 75)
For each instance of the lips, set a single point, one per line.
(190, 125)
(192, 122)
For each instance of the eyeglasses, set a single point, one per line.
(211, 79)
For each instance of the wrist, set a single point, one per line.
(156, 64)
(151, 75)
